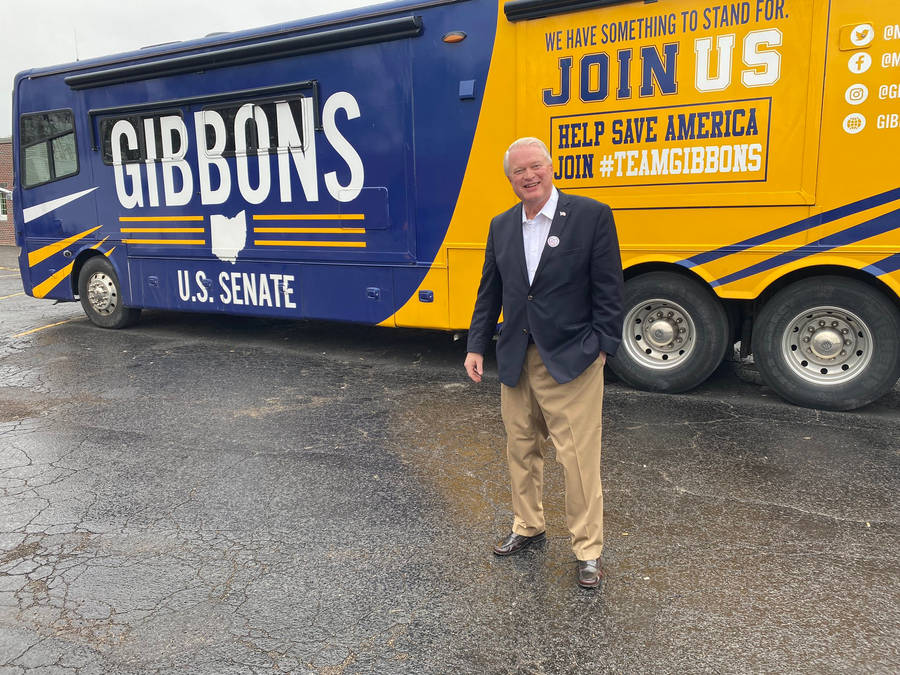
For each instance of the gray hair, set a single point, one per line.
(527, 140)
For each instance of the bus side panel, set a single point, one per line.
(347, 200)
(344, 200)
(484, 191)
(675, 106)
(451, 93)
(267, 288)
(855, 221)
(861, 141)
(57, 219)
(742, 141)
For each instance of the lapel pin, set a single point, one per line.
(553, 241)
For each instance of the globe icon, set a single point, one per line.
(854, 123)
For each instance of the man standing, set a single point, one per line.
(552, 265)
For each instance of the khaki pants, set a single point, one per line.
(571, 414)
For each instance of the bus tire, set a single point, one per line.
(828, 342)
(674, 335)
(101, 295)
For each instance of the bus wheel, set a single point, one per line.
(828, 342)
(101, 295)
(675, 333)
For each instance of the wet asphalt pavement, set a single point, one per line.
(204, 494)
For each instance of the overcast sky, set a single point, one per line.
(49, 32)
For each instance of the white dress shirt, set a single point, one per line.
(535, 232)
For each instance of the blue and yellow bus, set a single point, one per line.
(346, 168)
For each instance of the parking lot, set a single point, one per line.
(208, 494)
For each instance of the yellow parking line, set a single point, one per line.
(12, 296)
(8, 269)
(35, 330)
(7, 276)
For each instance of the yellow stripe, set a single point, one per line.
(158, 219)
(273, 242)
(315, 216)
(6, 297)
(162, 230)
(180, 242)
(54, 280)
(310, 230)
(49, 284)
(8, 269)
(716, 269)
(35, 330)
(43, 253)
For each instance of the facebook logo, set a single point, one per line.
(859, 62)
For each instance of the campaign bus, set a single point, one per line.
(346, 168)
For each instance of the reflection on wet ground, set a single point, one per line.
(728, 547)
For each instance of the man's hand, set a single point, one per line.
(474, 366)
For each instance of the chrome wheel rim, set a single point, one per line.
(102, 295)
(827, 345)
(659, 334)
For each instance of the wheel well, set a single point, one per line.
(644, 268)
(825, 270)
(80, 260)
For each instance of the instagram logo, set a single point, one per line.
(856, 94)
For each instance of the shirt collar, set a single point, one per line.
(549, 208)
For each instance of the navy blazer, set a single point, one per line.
(573, 309)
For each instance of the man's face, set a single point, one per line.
(530, 175)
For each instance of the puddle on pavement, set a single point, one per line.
(16, 410)
(457, 446)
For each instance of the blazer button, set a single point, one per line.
(524, 331)
(531, 297)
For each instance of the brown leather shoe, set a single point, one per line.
(516, 542)
(589, 573)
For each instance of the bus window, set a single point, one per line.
(140, 138)
(48, 147)
(260, 127)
